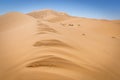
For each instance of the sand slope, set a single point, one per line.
(43, 46)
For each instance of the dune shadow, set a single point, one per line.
(53, 61)
(51, 43)
(43, 29)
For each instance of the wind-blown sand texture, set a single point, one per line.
(50, 45)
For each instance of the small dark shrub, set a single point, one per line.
(113, 37)
(83, 34)
(78, 24)
(62, 24)
(71, 25)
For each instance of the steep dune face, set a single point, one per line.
(15, 28)
(68, 49)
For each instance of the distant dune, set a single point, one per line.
(50, 15)
(51, 45)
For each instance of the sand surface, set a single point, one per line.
(50, 45)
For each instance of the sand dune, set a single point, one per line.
(50, 45)
(50, 15)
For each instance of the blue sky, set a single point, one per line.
(101, 9)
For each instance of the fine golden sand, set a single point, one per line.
(50, 45)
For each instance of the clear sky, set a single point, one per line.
(101, 9)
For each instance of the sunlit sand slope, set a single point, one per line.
(49, 45)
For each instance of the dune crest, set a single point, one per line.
(14, 19)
